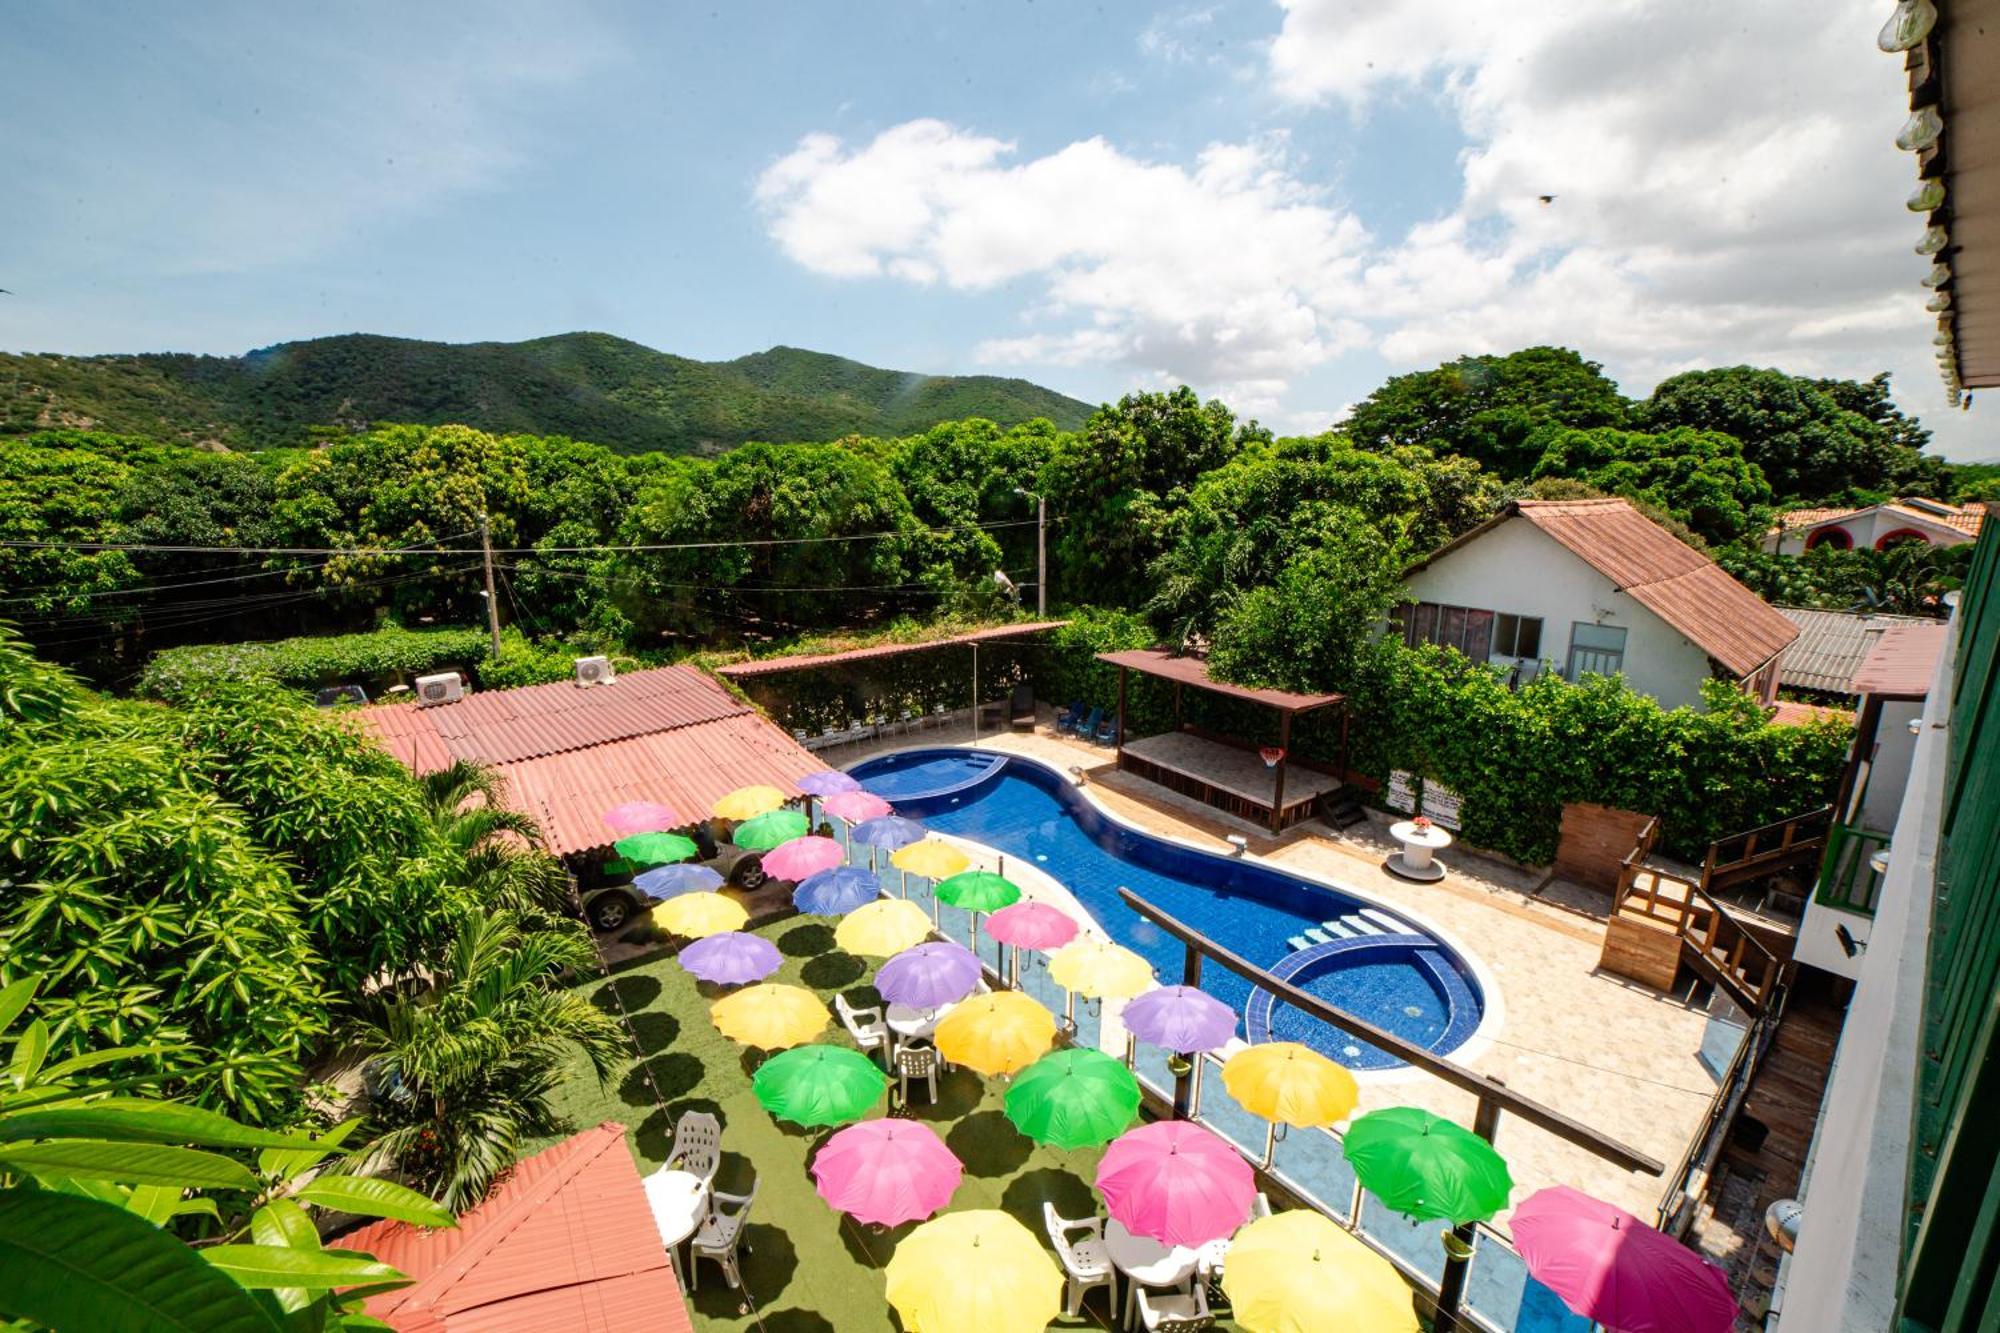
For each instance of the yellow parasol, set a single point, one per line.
(931, 859)
(770, 1016)
(1284, 1081)
(748, 803)
(884, 927)
(998, 1033)
(978, 1271)
(696, 916)
(1297, 1272)
(1097, 967)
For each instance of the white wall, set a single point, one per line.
(1889, 766)
(1517, 569)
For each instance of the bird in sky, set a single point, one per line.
(1546, 199)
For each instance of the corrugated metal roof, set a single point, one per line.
(566, 1241)
(569, 753)
(1903, 662)
(1671, 579)
(800, 661)
(1194, 671)
(1830, 648)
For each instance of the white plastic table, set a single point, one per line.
(1414, 861)
(679, 1200)
(1145, 1262)
(907, 1020)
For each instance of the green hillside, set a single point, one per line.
(588, 385)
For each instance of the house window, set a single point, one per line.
(1597, 650)
(1517, 636)
(1474, 632)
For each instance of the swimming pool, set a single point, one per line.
(1346, 949)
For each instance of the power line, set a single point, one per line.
(642, 582)
(434, 547)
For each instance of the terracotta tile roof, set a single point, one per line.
(1785, 713)
(1962, 518)
(1194, 671)
(765, 666)
(566, 1241)
(1808, 518)
(1903, 662)
(1671, 579)
(1831, 646)
(568, 754)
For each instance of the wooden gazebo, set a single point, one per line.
(1224, 771)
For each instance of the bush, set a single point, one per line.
(1518, 756)
(313, 661)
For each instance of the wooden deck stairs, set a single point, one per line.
(1662, 922)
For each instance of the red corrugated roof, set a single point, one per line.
(1903, 661)
(566, 1241)
(569, 753)
(800, 661)
(1194, 671)
(1671, 579)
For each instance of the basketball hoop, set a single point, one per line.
(1271, 754)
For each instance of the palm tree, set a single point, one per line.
(460, 1062)
(500, 861)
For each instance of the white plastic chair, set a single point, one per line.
(1174, 1313)
(916, 1062)
(1086, 1263)
(722, 1235)
(697, 1146)
(867, 1027)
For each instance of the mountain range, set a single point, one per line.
(591, 386)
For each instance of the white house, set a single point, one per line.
(1875, 527)
(1594, 586)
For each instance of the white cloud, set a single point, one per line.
(1724, 185)
(1229, 271)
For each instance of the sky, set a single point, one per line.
(1281, 204)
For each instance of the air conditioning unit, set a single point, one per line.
(594, 671)
(446, 687)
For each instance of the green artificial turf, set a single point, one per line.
(808, 1269)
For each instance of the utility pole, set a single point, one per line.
(492, 602)
(1041, 550)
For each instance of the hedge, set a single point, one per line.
(1517, 756)
(388, 656)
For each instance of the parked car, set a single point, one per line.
(335, 695)
(610, 898)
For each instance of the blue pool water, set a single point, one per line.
(1408, 983)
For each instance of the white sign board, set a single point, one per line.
(1441, 804)
(1402, 794)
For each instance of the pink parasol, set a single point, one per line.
(801, 857)
(855, 806)
(1609, 1266)
(641, 817)
(886, 1172)
(1031, 925)
(1176, 1182)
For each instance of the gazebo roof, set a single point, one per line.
(1160, 663)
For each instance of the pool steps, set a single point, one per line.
(1367, 921)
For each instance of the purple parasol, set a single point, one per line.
(1180, 1019)
(666, 881)
(732, 958)
(928, 975)
(889, 832)
(831, 782)
(837, 891)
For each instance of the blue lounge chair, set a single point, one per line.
(1088, 727)
(1107, 733)
(1070, 716)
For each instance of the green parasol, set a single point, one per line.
(1424, 1166)
(978, 891)
(1076, 1098)
(655, 849)
(818, 1085)
(768, 830)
